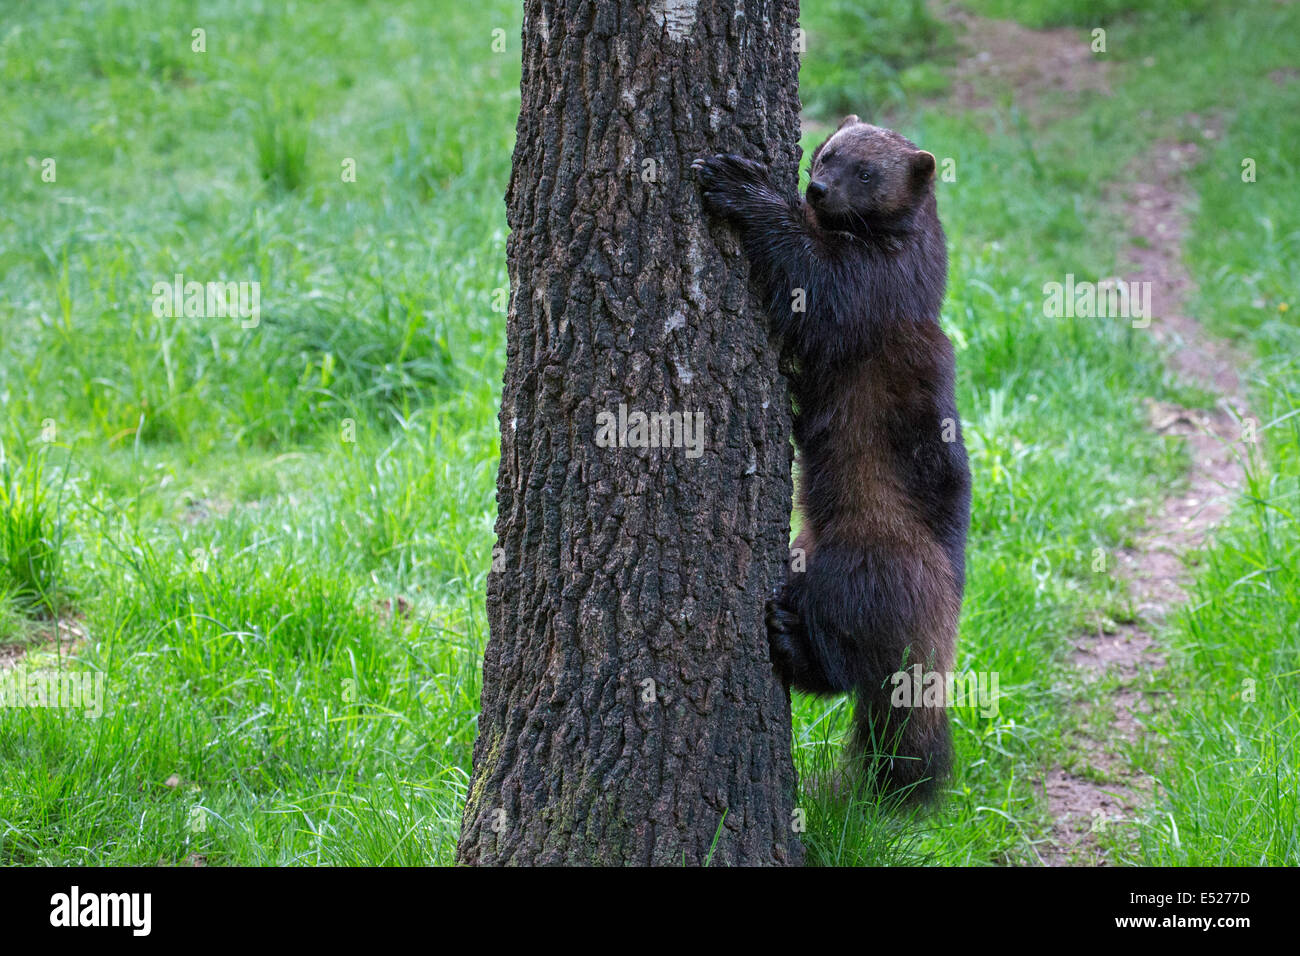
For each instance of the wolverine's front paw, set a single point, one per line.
(781, 623)
(727, 181)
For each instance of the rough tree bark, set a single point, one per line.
(629, 710)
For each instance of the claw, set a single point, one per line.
(780, 623)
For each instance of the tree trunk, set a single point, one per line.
(630, 714)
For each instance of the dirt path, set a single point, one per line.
(1099, 787)
(1155, 566)
(1002, 57)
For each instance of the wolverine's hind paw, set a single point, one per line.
(781, 623)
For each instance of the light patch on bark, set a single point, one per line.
(677, 16)
(695, 260)
(675, 321)
(539, 294)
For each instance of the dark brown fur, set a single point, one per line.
(885, 487)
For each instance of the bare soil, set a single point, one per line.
(1002, 58)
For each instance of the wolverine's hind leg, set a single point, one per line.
(902, 752)
(901, 733)
(861, 618)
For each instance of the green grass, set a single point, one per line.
(31, 538)
(231, 513)
(866, 56)
(1228, 766)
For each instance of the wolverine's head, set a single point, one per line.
(864, 178)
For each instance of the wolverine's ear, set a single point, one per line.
(847, 121)
(922, 165)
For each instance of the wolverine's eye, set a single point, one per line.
(865, 175)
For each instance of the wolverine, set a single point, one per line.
(853, 277)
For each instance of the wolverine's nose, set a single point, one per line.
(816, 191)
